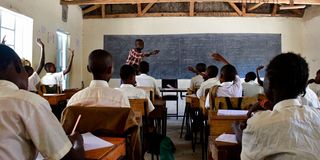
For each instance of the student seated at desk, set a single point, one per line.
(128, 77)
(99, 94)
(314, 84)
(211, 72)
(27, 125)
(144, 80)
(230, 82)
(291, 130)
(55, 78)
(250, 87)
(33, 76)
(197, 80)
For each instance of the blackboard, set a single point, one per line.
(177, 52)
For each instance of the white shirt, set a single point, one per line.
(33, 80)
(315, 87)
(251, 89)
(207, 85)
(290, 131)
(135, 93)
(99, 94)
(144, 80)
(228, 89)
(52, 78)
(309, 99)
(28, 126)
(196, 82)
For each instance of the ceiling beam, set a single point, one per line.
(139, 9)
(274, 10)
(244, 9)
(103, 11)
(92, 8)
(234, 6)
(145, 9)
(255, 6)
(88, 2)
(191, 8)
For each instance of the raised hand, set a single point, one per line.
(155, 52)
(3, 40)
(219, 58)
(259, 68)
(71, 51)
(39, 42)
(192, 69)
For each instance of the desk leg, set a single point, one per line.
(183, 119)
(188, 135)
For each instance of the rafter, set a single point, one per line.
(234, 6)
(88, 2)
(103, 11)
(145, 9)
(244, 8)
(92, 8)
(274, 10)
(255, 6)
(139, 9)
(191, 8)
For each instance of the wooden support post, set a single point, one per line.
(145, 10)
(244, 8)
(255, 6)
(274, 10)
(103, 10)
(139, 9)
(92, 8)
(191, 9)
(234, 6)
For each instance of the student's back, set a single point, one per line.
(144, 80)
(251, 89)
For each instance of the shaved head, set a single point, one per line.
(100, 64)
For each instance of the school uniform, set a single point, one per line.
(207, 85)
(99, 94)
(33, 80)
(145, 80)
(196, 82)
(28, 126)
(52, 78)
(290, 131)
(309, 99)
(135, 93)
(316, 88)
(251, 89)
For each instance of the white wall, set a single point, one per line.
(47, 20)
(311, 38)
(94, 30)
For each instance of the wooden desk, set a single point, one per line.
(54, 99)
(223, 150)
(109, 153)
(70, 92)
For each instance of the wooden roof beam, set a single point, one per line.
(191, 8)
(234, 6)
(255, 6)
(88, 2)
(145, 9)
(103, 11)
(92, 8)
(244, 8)
(274, 10)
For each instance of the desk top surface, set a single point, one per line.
(101, 152)
(173, 89)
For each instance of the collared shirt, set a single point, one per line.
(251, 89)
(309, 99)
(144, 80)
(99, 94)
(207, 85)
(134, 57)
(228, 89)
(33, 80)
(290, 131)
(196, 82)
(28, 126)
(135, 93)
(316, 88)
(52, 78)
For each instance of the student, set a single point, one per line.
(198, 79)
(27, 125)
(136, 55)
(145, 80)
(260, 82)
(128, 77)
(314, 84)
(250, 87)
(291, 130)
(230, 81)
(34, 78)
(212, 72)
(99, 94)
(55, 78)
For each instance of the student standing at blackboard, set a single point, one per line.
(136, 55)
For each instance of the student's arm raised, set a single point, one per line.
(258, 76)
(219, 58)
(67, 70)
(42, 57)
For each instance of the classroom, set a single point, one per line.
(160, 79)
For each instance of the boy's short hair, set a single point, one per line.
(229, 72)
(201, 67)
(126, 71)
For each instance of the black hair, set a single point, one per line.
(212, 71)
(229, 72)
(138, 40)
(47, 66)
(318, 72)
(126, 71)
(99, 60)
(288, 73)
(144, 67)
(29, 70)
(8, 56)
(201, 67)
(251, 76)
(136, 67)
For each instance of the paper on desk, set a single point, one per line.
(91, 142)
(225, 112)
(230, 138)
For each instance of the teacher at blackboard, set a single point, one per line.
(136, 55)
